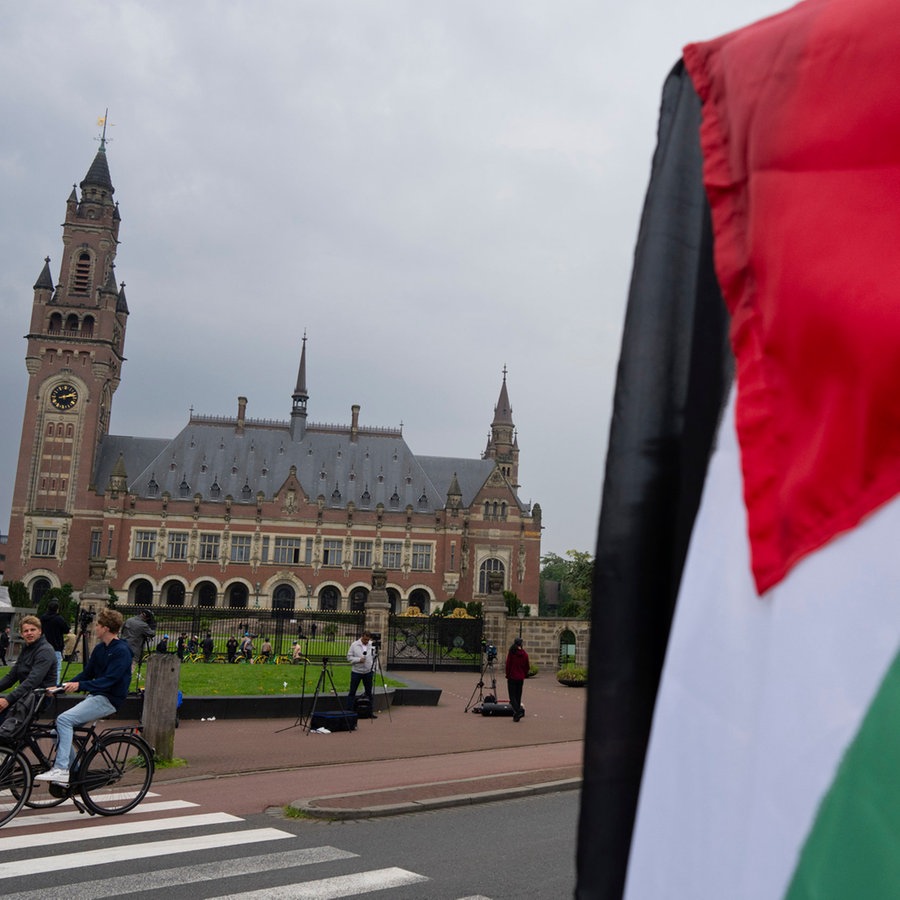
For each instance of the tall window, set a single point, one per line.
(82, 281)
(240, 548)
(332, 552)
(264, 551)
(144, 544)
(96, 543)
(362, 554)
(308, 552)
(178, 545)
(392, 554)
(287, 551)
(45, 541)
(209, 546)
(488, 566)
(421, 557)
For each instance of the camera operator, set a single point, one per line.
(136, 632)
(362, 655)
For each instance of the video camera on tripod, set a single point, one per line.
(489, 650)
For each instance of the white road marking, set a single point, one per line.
(334, 888)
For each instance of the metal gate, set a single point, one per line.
(431, 642)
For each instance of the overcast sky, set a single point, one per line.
(432, 190)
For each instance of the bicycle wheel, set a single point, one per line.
(40, 753)
(15, 783)
(116, 774)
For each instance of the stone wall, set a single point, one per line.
(540, 636)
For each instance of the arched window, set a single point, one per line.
(81, 283)
(55, 325)
(140, 592)
(488, 566)
(420, 598)
(358, 597)
(206, 594)
(238, 594)
(566, 649)
(394, 598)
(50, 430)
(87, 326)
(329, 597)
(70, 430)
(173, 593)
(283, 599)
(39, 587)
(487, 509)
(71, 322)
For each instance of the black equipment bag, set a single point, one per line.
(18, 717)
(363, 707)
(334, 721)
(498, 709)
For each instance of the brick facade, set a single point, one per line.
(235, 511)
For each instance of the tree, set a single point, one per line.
(68, 607)
(574, 574)
(18, 594)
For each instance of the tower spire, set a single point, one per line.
(503, 445)
(300, 398)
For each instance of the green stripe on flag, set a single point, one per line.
(853, 850)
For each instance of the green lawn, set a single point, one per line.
(210, 679)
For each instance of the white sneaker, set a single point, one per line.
(58, 776)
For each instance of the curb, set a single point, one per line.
(318, 808)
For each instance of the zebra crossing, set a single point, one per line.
(75, 854)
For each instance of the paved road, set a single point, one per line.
(512, 849)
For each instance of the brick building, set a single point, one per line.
(237, 512)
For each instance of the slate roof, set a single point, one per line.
(210, 454)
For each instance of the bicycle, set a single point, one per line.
(111, 773)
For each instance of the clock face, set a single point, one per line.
(64, 396)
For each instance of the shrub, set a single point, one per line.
(572, 676)
(532, 670)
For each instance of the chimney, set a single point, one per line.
(241, 416)
(354, 423)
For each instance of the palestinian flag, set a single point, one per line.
(744, 705)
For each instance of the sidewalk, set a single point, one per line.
(410, 758)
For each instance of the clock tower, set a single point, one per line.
(74, 359)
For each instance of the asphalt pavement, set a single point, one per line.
(410, 757)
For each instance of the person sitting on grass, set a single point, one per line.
(106, 678)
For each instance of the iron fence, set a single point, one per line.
(319, 633)
(430, 642)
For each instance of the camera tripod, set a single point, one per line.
(325, 679)
(376, 671)
(85, 618)
(475, 705)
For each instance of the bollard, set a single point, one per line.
(161, 703)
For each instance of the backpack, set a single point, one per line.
(363, 707)
(18, 717)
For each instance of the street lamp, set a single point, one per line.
(521, 614)
(308, 595)
(257, 595)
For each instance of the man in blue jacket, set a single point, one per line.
(106, 678)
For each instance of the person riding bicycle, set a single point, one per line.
(106, 678)
(35, 667)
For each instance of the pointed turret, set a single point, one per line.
(118, 479)
(503, 444)
(45, 279)
(300, 397)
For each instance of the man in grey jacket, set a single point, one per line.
(35, 667)
(137, 632)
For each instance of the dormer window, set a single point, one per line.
(184, 489)
(152, 487)
(215, 491)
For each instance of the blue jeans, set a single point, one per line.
(58, 664)
(355, 678)
(93, 707)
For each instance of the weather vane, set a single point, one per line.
(102, 121)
